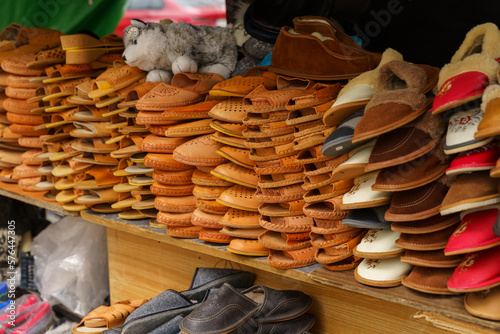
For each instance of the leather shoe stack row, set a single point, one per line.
(241, 222)
(180, 153)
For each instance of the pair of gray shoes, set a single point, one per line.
(258, 309)
(164, 313)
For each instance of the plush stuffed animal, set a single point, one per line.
(166, 48)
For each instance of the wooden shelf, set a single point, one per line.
(35, 198)
(444, 312)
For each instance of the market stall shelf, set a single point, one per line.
(144, 261)
(34, 198)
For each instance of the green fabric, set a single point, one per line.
(68, 16)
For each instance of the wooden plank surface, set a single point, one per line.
(35, 198)
(138, 251)
(142, 268)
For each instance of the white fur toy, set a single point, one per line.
(167, 48)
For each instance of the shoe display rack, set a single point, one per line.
(144, 261)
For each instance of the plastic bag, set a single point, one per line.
(71, 262)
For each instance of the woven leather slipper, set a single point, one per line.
(191, 111)
(292, 259)
(229, 140)
(114, 79)
(164, 162)
(207, 179)
(98, 196)
(268, 141)
(327, 209)
(244, 233)
(306, 115)
(272, 153)
(211, 206)
(175, 204)
(18, 65)
(159, 189)
(174, 219)
(317, 94)
(280, 194)
(270, 117)
(165, 96)
(208, 193)
(206, 220)
(290, 224)
(157, 144)
(333, 189)
(214, 236)
(284, 241)
(247, 247)
(268, 130)
(173, 178)
(239, 197)
(240, 85)
(201, 83)
(237, 155)
(94, 145)
(339, 236)
(236, 174)
(230, 129)
(240, 219)
(329, 226)
(199, 151)
(284, 165)
(188, 232)
(190, 129)
(231, 110)
(91, 129)
(89, 113)
(283, 209)
(280, 180)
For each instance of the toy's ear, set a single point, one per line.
(138, 23)
(166, 22)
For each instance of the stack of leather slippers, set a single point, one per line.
(241, 221)
(23, 122)
(177, 114)
(99, 145)
(17, 40)
(86, 49)
(274, 147)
